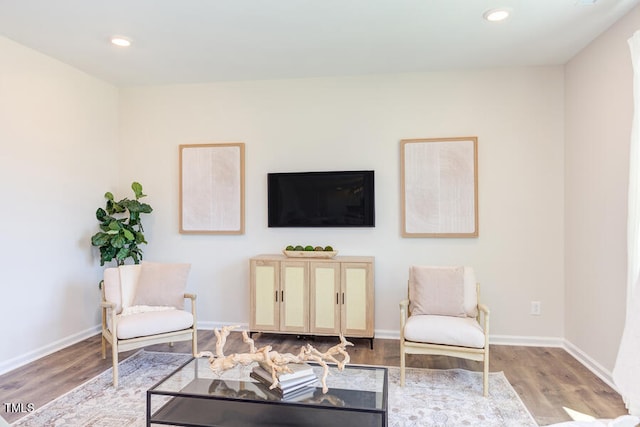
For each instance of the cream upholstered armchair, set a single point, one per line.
(143, 304)
(443, 317)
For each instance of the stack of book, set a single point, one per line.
(298, 383)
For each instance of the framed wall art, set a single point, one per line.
(439, 179)
(212, 188)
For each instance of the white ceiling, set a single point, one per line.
(193, 41)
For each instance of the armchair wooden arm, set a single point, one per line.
(404, 314)
(194, 340)
(107, 304)
(485, 311)
(110, 307)
(483, 308)
(193, 298)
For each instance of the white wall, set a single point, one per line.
(599, 108)
(58, 133)
(357, 123)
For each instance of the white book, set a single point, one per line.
(264, 376)
(298, 370)
(302, 384)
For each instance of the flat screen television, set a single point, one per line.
(321, 199)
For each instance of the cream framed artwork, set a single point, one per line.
(439, 179)
(212, 188)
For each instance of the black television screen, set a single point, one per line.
(321, 199)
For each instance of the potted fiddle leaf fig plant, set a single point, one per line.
(121, 230)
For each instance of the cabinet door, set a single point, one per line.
(357, 299)
(324, 289)
(294, 296)
(264, 295)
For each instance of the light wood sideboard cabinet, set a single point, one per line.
(313, 296)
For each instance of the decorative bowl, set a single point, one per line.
(310, 254)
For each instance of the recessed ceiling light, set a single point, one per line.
(120, 41)
(496, 15)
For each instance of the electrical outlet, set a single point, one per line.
(536, 308)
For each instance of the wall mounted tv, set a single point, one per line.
(321, 199)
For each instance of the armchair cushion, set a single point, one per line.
(111, 287)
(129, 276)
(437, 290)
(152, 323)
(445, 330)
(161, 284)
(120, 285)
(445, 291)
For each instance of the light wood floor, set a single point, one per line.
(547, 379)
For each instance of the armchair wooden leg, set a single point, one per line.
(104, 347)
(194, 343)
(485, 375)
(114, 356)
(402, 364)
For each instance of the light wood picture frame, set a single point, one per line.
(212, 188)
(439, 180)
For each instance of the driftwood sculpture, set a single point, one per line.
(277, 362)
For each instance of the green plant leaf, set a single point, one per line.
(118, 207)
(101, 214)
(122, 254)
(107, 253)
(109, 207)
(108, 195)
(114, 225)
(100, 239)
(137, 189)
(128, 235)
(118, 241)
(132, 205)
(140, 238)
(134, 218)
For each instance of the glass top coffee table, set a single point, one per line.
(195, 396)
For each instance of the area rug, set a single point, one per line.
(438, 398)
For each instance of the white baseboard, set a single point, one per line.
(213, 325)
(38, 353)
(387, 334)
(528, 341)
